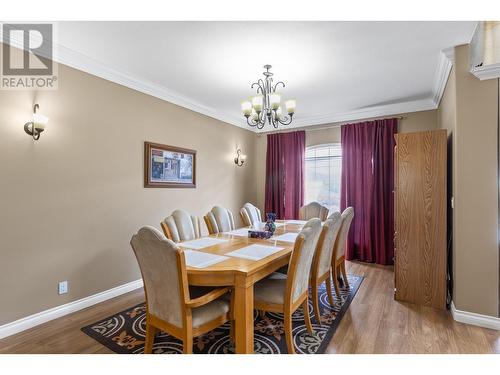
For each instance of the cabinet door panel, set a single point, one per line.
(420, 266)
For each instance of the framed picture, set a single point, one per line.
(168, 166)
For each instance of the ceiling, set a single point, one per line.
(336, 71)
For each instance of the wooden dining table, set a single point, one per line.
(241, 274)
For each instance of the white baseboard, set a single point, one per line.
(68, 308)
(467, 317)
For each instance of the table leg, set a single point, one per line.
(243, 316)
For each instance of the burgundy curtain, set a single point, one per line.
(275, 176)
(367, 186)
(285, 174)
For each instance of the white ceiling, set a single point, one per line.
(335, 70)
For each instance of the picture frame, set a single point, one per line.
(169, 166)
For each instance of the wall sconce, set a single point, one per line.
(239, 160)
(37, 124)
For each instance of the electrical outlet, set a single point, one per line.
(63, 287)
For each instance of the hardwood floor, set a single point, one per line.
(374, 323)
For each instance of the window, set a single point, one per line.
(323, 168)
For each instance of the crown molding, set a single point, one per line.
(491, 71)
(359, 114)
(476, 56)
(445, 64)
(84, 63)
(80, 61)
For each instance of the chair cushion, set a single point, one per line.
(271, 289)
(210, 311)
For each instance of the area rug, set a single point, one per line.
(125, 332)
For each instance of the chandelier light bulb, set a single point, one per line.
(246, 107)
(290, 106)
(40, 121)
(257, 102)
(274, 100)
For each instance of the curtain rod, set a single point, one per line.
(331, 126)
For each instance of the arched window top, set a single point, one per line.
(324, 151)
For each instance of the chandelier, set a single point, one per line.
(266, 105)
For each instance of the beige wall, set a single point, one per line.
(468, 111)
(72, 200)
(330, 133)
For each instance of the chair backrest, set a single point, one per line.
(324, 250)
(339, 249)
(164, 274)
(181, 226)
(313, 209)
(219, 219)
(250, 215)
(299, 268)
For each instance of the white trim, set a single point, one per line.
(358, 114)
(68, 308)
(80, 61)
(445, 64)
(84, 63)
(467, 317)
(487, 72)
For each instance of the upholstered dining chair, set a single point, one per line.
(313, 209)
(250, 215)
(181, 226)
(169, 303)
(320, 271)
(338, 259)
(219, 220)
(286, 293)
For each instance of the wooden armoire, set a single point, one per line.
(420, 218)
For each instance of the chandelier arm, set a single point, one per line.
(287, 120)
(263, 118)
(276, 85)
(249, 122)
(258, 88)
(273, 122)
(259, 124)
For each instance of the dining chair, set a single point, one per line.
(219, 220)
(286, 293)
(321, 266)
(181, 226)
(338, 258)
(170, 306)
(250, 215)
(313, 209)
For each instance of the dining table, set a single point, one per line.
(241, 274)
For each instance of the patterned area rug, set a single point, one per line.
(125, 331)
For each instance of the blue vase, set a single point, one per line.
(271, 216)
(270, 225)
